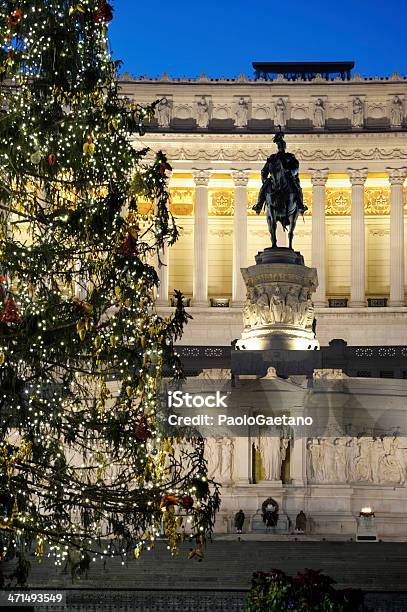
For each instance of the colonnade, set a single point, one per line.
(319, 177)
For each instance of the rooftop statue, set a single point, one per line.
(281, 191)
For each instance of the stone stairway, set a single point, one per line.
(230, 564)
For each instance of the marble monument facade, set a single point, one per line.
(351, 140)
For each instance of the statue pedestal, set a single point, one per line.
(279, 312)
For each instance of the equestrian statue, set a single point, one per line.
(281, 191)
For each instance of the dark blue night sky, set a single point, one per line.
(222, 38)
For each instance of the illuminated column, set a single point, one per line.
(200, 289)
(242, 462)
(396, 178)
(318, 180)
(240, 179)
(357, 293)
(162, 270)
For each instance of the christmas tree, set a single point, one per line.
(84, 471)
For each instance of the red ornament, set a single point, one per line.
(129, 246)
(142, 431)
(163, 167)
(187, 502)
(10, 313)
(51, 159)
(104, 14)
(15, 17)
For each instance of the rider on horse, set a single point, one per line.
(281, 190)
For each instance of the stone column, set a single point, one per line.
(240, 179)
(357, 178)
(396, 178)
(242, 461)
(200, 287)
(318, 179)
(163, 275)
(298, 461)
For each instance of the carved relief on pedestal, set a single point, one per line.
(350, 460)
(277, 303)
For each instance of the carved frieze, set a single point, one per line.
(260, 154)
(377, 201)
(364, 459)
(338, 202)
(379, 232)
(182, 202)
(340, 233)
(221, 203)
(276, 303)
(221, 233)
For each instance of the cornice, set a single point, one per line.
(260, 154)
(249, 139)
(242, 79)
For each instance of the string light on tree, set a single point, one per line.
(82, 349)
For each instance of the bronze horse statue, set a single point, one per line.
(281, 191)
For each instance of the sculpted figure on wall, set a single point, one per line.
(242, 113)
(202, 113)
(213, 447)
(273, 451)
(163, 112)
(319, 113)
(357, 113)
(219, 453)
(396, 112)
(365, 459)
(226, 466)
(280, 113)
